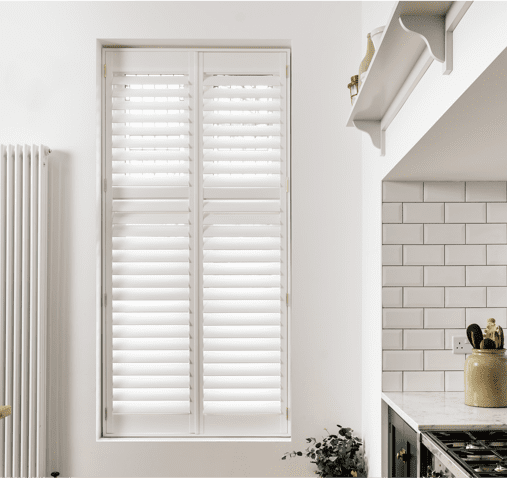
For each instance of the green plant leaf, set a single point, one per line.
(284, 457)
(299, 453)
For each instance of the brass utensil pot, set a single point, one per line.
(486, 378)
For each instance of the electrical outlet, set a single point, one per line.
(461, 345)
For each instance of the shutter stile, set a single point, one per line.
(243, 293)
(150, 141)
(195, 244)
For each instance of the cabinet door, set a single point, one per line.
(411, 439)
(398, 441)
(401, 436)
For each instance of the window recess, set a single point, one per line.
(196, 244)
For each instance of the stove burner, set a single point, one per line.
(484, 468)
(472, 446)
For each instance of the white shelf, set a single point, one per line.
(416, 34)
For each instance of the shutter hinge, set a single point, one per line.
(287, 184)
(287, 412)
(287, 298)
(104, 70)
(105, 300)
(105, 184)
(287, 71)
(105, 413)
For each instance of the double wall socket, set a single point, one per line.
(461, 345)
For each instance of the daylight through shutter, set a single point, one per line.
(196, 243)
(244, 246)
(150, 131)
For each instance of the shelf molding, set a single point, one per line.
(431, 29)
(402, 59)
(372, 128)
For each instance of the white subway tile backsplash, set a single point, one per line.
(391, 212)
(423, 297)
(454, 381)
(392, 339)
(480, 316)
(450, 333)
(423, 381)
(444, 191)
(497, 212)
(402, 191)
(392, 381)
(486, 275)
(402, 318)
(497, 296)
(402, 233)
(465, 255)
(444, 233)
(402, 275)
(402, 360)
(465, 296)
(423, 255)
(423, 212)
(444, 276)
(486, 191)
(444, 318)
(465, 212)
(445, 267)
(443, 360)
(497, 255)
(392, 255)
(391, 297)
(486, 233)
(423, 339)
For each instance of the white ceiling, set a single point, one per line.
(469, 142)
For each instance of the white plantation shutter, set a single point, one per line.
(150, 200)
(196, 243)
(244, 243)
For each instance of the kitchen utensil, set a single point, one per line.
(500, 333)
(497, 339)
(489, 344)
(489, 333)
(476, 335)
(469, 334)
(482, 344)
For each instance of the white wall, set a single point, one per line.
(48, 95)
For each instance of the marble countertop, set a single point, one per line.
(426, 411)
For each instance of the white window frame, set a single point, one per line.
(102, 346)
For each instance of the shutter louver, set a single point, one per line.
(244, 258)
(150, 179)
(195, 243)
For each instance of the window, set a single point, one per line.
(195, 243)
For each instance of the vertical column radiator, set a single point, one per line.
(23, 278)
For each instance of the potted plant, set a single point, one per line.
(335, 455)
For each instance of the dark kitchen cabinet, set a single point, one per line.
(402, 447)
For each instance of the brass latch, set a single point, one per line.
(402, 455)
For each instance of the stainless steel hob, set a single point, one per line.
(476, 453)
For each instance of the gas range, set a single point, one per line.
(474, 453)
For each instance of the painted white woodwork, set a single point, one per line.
(415, 35)
(431, 29)
(196, 247)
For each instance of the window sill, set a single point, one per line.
(195, 439)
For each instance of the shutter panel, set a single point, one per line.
(148, 209)
(244, 237)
